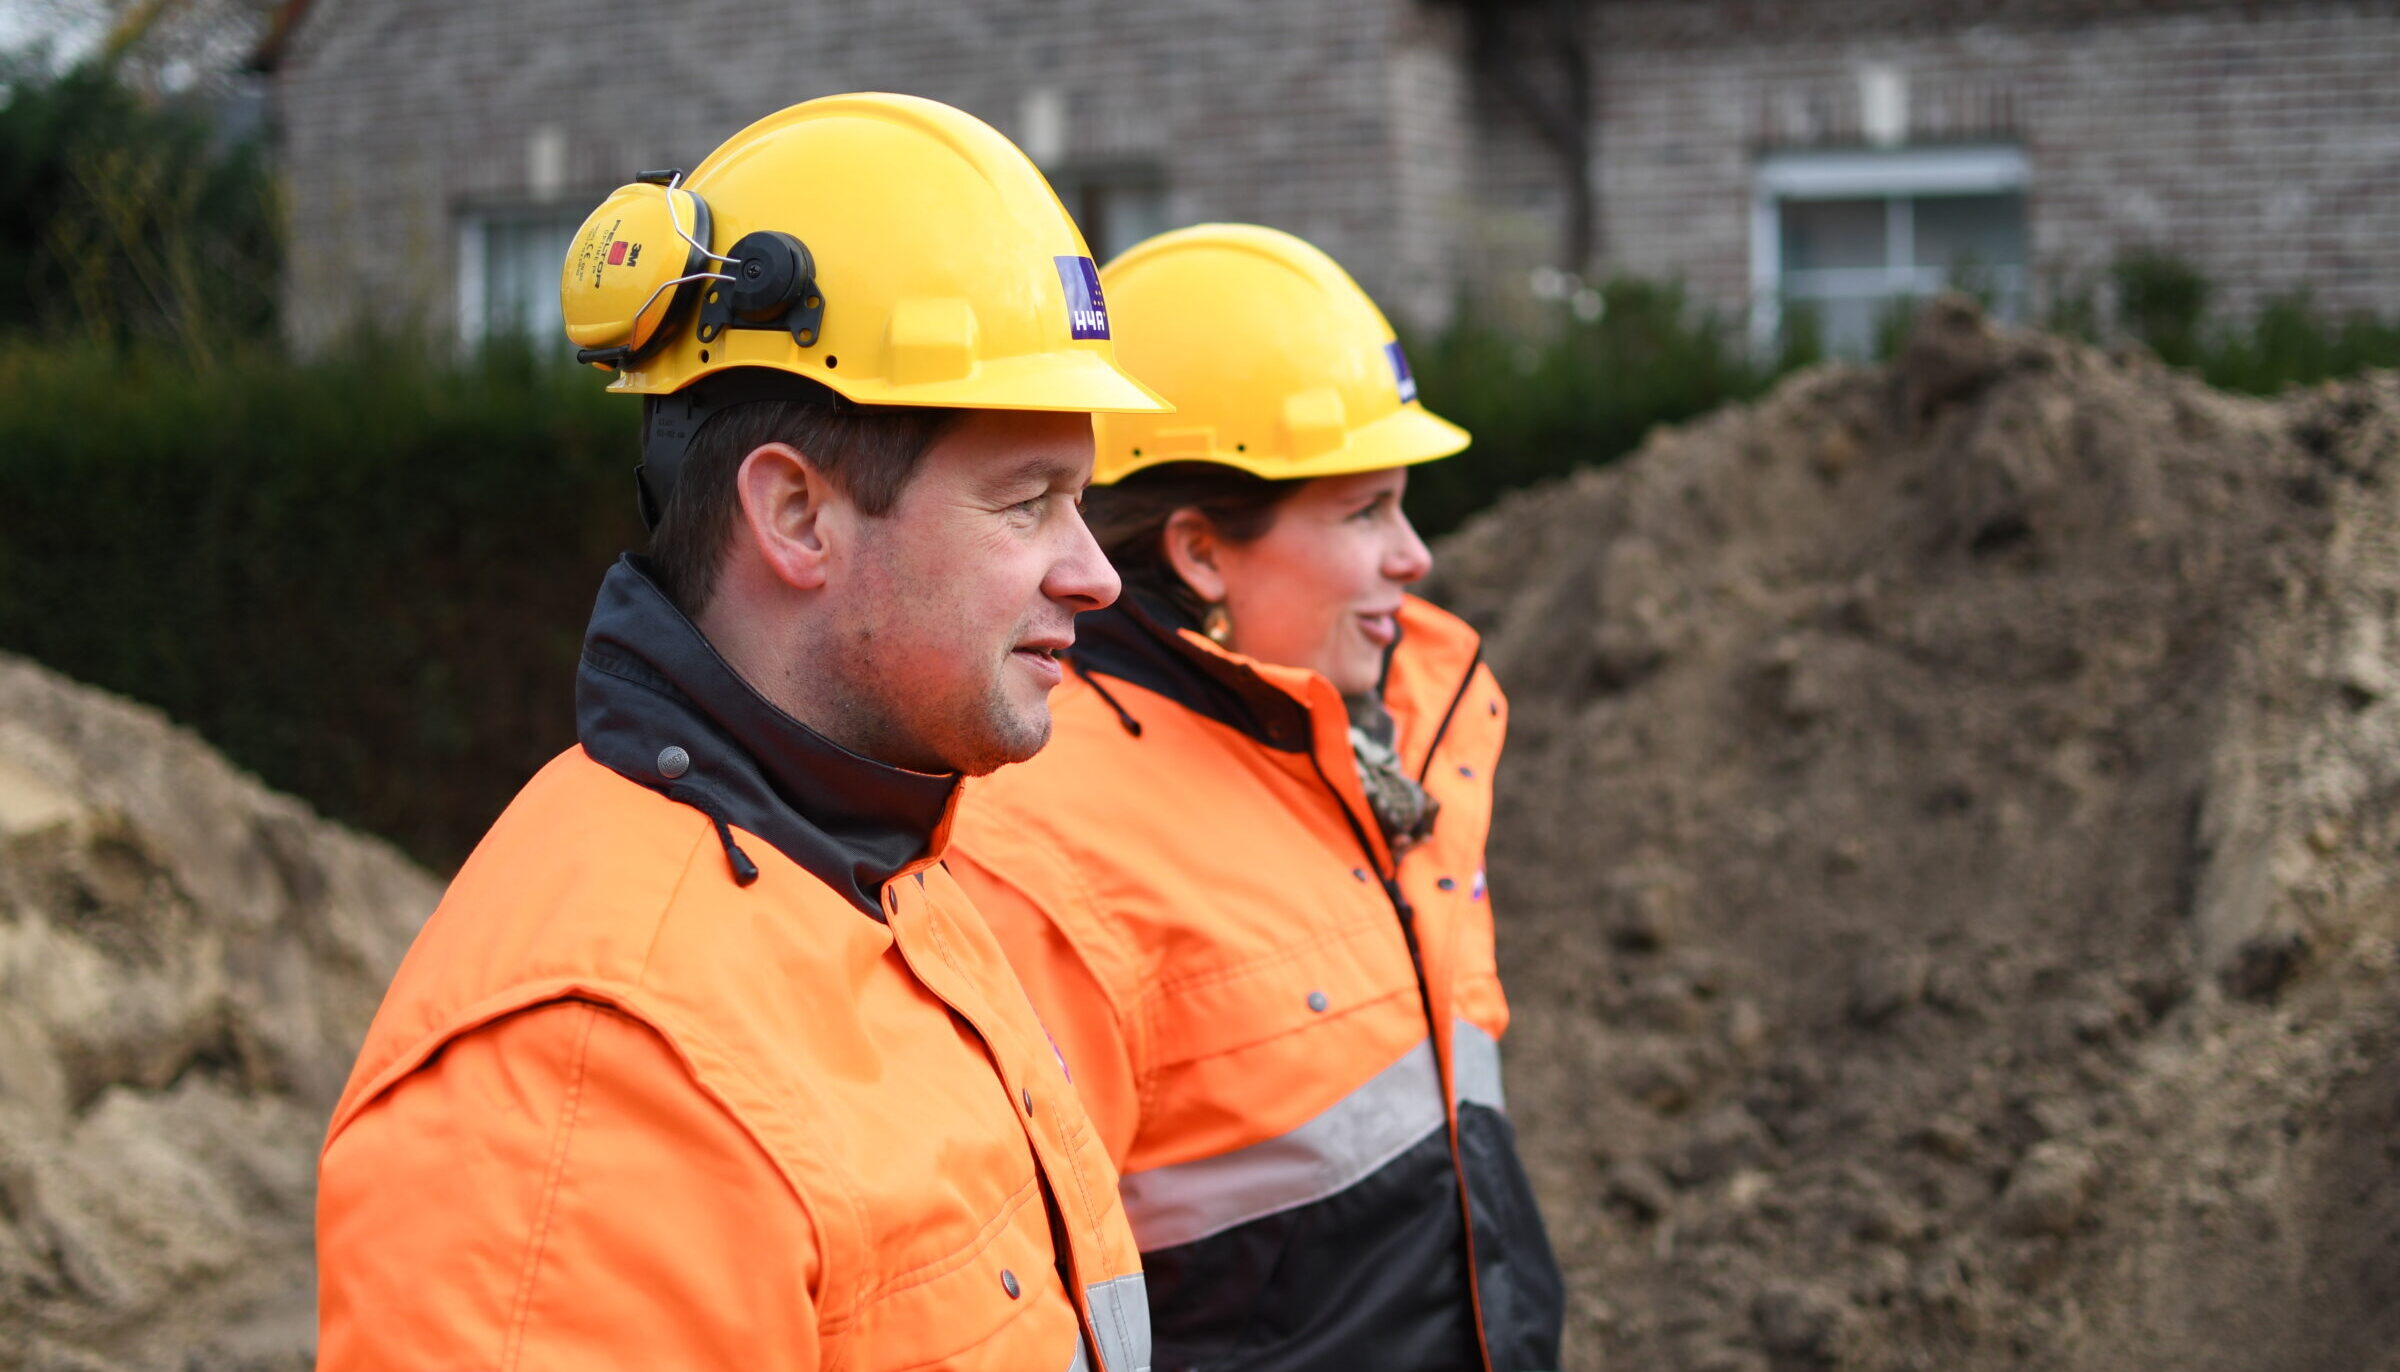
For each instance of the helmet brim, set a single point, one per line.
(1083, 382)
(1403, 438)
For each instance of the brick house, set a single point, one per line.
(1771, 153)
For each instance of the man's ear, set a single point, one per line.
(790, 510)
(1191, 548)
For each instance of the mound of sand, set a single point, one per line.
(1946, 864)
(187, 965)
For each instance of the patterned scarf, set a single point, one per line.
(1402, 809)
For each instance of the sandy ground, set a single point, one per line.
(187, 964)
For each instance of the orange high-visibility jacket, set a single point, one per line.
(1289, 1042)
(704, 1062)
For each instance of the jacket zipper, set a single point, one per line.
(1416, 958)
(1062, 1242)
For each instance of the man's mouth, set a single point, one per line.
(1380, 628)
(1041, 655)
(1045, 647)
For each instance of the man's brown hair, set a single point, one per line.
(869, 452)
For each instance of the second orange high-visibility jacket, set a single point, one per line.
(1289, 1041)
(704, 1062)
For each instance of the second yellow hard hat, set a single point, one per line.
(1274, 359)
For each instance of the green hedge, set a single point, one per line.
(1586, 392)
(2166, 302)
(125, 216)
(364, 577)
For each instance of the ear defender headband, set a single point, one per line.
(626, 290)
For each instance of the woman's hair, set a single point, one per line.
(1129, 519)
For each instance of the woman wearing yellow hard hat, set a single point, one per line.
(1244, 883)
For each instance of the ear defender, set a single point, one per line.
(636, 265)
(624, 284)
(639, 267)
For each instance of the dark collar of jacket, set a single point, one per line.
(1141, 639)
(650, 687)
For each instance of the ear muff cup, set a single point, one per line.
(628, 275)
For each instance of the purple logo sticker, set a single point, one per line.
(1087, 313)
(1400, 373)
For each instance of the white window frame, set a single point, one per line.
(472, 227)
(475, 223)
(1905, 174)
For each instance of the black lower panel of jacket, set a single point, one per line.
(1524, 1298)
(1371, 1280)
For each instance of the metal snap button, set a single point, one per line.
(1447, 883)
(1359, 872)
(1008, 1283)
(1317, 1001)
(1467, 772)
(1028, 1098)
(673, 762)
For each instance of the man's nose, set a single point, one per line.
(1082, 577)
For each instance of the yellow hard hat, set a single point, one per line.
(1275, 360)
(894, 249)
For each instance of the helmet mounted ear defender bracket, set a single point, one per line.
(768, 281)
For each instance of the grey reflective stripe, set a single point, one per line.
(1475, 1066)
(1082, 1362)
(1188, 1201)
(1121, 1321)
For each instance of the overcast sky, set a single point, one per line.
(73, 27)
(190, 46)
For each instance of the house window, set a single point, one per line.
(508, 266)
(1852, 236)
(1116, 207)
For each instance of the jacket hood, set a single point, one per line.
(1144, 640)
(656, 704)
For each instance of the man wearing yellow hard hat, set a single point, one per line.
(1244, 884)
(705, 1061)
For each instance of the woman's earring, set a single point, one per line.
(1217, 624)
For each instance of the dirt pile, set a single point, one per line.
(187, 964)
(1946, 864)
